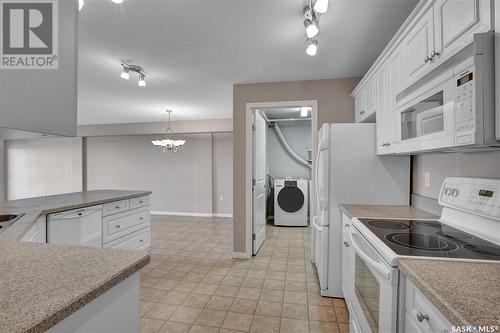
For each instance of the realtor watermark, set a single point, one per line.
(29, 34)
(474, 328)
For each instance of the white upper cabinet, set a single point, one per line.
(418, 48)
(456, 22)
(365, 102)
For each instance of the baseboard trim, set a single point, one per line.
(241, 255)
(162, 212)
(222, 215)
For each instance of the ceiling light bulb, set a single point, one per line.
(117, 1)
(321, 6)
(304, 111)
(312, 48)
(125, 73)
(80, 4)
(142, 80)
(311, 28)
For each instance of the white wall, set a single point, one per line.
(223, 173)
(280, 163)
(43, 167)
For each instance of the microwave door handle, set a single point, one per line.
(379, 267)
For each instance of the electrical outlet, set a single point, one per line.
(427, 179)
(221, 197)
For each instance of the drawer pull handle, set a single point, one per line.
(140, 218)
(346, 244)
(141, 240)
(141, 201)
(346, 224)
(118, 226)
(421, 317)
(117, 207)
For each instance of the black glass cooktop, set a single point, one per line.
(431, 239)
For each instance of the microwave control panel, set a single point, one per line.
(465, 106)
(476, 195)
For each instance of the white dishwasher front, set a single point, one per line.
(81, 226)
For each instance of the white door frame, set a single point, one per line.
(249, 159)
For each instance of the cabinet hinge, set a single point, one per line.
(253, 236)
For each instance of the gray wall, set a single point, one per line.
(43, 167)
(190, 181)
(335, 105)
(45, 100)
(482, 164)
(223, 173)
(181, 182)
(280, 163)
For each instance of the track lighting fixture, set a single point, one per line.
(125, 72)
(311, 28)
(311, 23)
(127, 68)
(312, 48)
(117, 1)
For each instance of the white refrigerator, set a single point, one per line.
(348, 171)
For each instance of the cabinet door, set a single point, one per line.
(456, 22)
(359, 105)
(371, 96)
(382, 111)
(418, 47)
(394, 87)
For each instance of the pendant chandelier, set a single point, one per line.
(169, 144)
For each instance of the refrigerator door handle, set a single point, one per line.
(315, 225)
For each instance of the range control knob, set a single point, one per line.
(454, 192)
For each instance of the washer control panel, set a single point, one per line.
(475, 195)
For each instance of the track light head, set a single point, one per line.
(311, 28)
(117, 1)
(312, 48)
(321, 6)
(125, 72)
(142, 80)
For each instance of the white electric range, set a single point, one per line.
(468, 230)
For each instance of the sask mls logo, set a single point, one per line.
(29, 34)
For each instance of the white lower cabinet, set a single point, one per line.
(128, 228)
(139, 240)
(420, 315)
(122, 224)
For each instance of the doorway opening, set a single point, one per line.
(282, 155)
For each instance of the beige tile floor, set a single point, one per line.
(193, 285)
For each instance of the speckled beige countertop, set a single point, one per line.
(41, 284)
(386, 211)
(465, 292)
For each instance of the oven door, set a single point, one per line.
(426, 118)
(375, 288)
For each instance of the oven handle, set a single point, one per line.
(379, 267)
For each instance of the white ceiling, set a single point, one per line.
(195, 50)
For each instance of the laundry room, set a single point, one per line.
(288, 151)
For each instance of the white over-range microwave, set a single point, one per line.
(452, 107)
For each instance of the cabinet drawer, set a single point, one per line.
(139, 202)
(121, 224)
(115, 207)
(138, 240)
(418, 305)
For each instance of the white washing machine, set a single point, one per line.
(291, 202)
